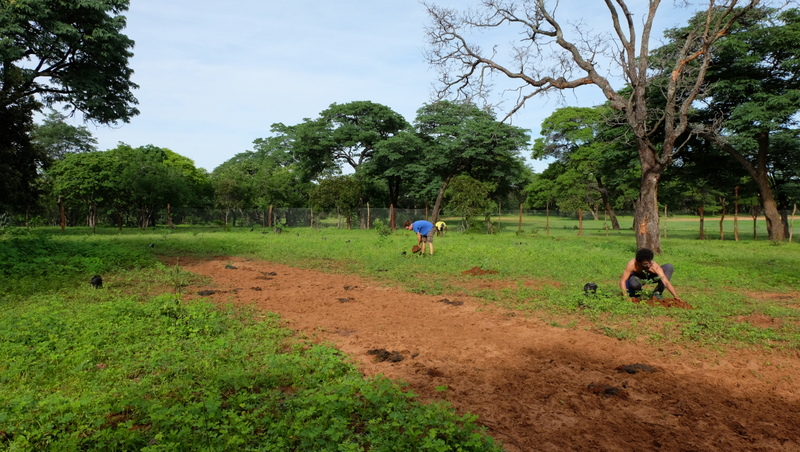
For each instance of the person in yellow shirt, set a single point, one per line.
(441, 226)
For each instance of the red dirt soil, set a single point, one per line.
(534, 386)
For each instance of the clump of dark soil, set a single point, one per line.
(477, 271)
(381, 354)
(635, 368)
(451, 303)
(668, 303)
(346, 300)
(607, 390)
(208, 293)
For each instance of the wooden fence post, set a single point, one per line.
(736, 216)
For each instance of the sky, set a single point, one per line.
(213, 76)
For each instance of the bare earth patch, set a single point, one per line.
(535, 387)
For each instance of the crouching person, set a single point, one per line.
(643, 268)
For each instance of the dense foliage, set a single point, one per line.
(58, 52)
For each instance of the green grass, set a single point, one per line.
(133, 367)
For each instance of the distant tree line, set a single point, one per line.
(351, 156)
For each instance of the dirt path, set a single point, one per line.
(536, 387)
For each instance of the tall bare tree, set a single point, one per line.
(547, 57)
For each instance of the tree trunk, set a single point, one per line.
(702, 211)
(438, 205)
(648, 234)
(759, 174)
(93, 216)
(63, 213)
(721, 220)
(771, 213)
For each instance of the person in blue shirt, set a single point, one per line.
(425, 231)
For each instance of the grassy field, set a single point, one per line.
(134, 367)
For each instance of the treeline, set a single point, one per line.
(389, 163)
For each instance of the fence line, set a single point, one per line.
(288, 217)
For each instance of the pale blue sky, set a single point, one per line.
(214, 76)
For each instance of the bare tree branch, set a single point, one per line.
(547, 59)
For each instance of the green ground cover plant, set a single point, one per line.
(134, 367)
(119, 369)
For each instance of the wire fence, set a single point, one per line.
(284, 217)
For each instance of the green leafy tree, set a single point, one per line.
(149, 182)
(198, 182)
(396, 161)
(20, 159)
(234, 185)
(357, 127)
(754, 81)
(542, 191)
(460, 138)
(574, 136)
(344, 134)
(58, 139)
(267, 176)
(279, 179)
(340, 193)
(52, 52)
(71, 52)
(91, 179)
(470, 198)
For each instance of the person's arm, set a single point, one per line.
(660, 272)
(625, 275)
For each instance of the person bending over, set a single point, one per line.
(441, 226)
(642, 268)
(425, 231)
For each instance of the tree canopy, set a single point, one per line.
(67, 52)
(58, 52)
